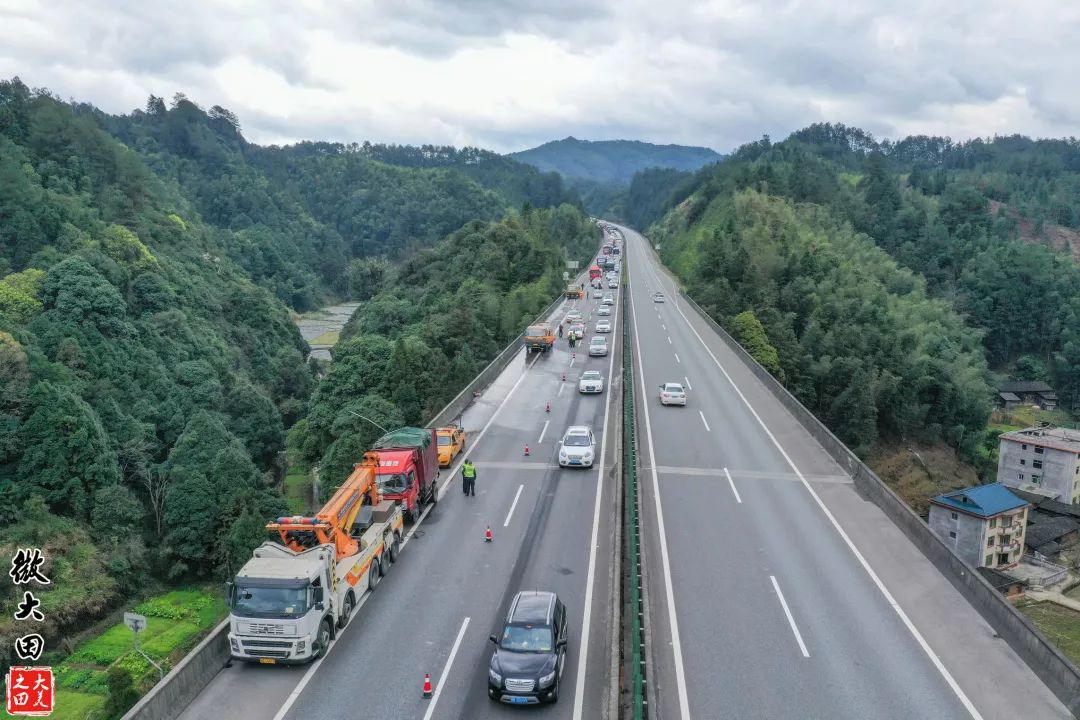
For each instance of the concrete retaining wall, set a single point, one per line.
(176, 690)
(1047, 662)
(457, 406)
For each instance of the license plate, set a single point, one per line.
(519, 701)
(267, 661)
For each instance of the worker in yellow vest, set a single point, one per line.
(468, 478)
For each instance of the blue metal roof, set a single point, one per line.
(981, 500)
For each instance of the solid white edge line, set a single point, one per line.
(295, 694)
(543, 432)
(590, 578)
(790, 619)
(732, 484)
(446, 670)
(669, 591)
(953, 685)
(707, 428)
(513, 505)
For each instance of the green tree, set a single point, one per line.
(121, 691)
(752, 336)
(366, 277)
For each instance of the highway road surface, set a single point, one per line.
(774, 590)
(433, 612)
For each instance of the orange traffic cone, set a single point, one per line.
(564, 377)
(488, 537)
(526, 449)
(547, 407)
(427, 686)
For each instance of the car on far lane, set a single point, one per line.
(609, 299)
(612, 284)
(598, 346)
(603, 310)
(577, 447)
(572, 317)
(658, 297)
(603, 326)
(672, 394)
(591, 382)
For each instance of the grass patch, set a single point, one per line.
(175, 623)
(327, 338)
(72, 705)
(298, 490)
(1060, 625)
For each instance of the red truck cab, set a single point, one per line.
(408, 470)
(594, 272)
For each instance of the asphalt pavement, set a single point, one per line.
(433, 612)
(774, 590)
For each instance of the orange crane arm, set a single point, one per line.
(334, 521)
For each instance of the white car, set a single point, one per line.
(577, 447)
(603, 326)
(591, 382)
(658, 297)
(609, 299)
(598, 346)
(596, 294)
(572, 317)
(672, 394)
(603, 310)
(612, 284)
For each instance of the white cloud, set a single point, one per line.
(507, 74)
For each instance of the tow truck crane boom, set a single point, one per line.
(334, 522)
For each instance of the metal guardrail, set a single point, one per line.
(635, 608)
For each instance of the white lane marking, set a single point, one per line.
(790, 619)
(546, 423)
(446, 671)
(687, 383)
(732, 484)
(669, 340)
(663, 326)
(677, 359)
(707, 428)
(669, 591)
(572, 359)
(513, 505)
(561, 386)
(953, 685)
(590, 578)
(295, 694)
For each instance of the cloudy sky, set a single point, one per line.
(510, 74)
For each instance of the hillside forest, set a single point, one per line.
(149, 368)
(891, 284)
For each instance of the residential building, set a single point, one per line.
(1028, 392)
(1042, 460)
(1008, 401)
(984, 524)
(1004, 583)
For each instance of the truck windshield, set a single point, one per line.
(278, 602)
(526, 638)
(392, 483)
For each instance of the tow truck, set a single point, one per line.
(291, 598)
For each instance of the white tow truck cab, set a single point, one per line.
(285, 606)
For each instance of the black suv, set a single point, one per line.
(530, 652)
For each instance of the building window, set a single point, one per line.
(993, 522)
(1004, 539)
(989, 560)
(1037, 464)
(990, 541)
(1023, 461)
(1038, 451)
(953, 515)
(952, 534)
(1035, 479)
(1021, 476)
(1023, 447)
(1003, 559)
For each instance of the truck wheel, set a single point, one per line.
(324, 637)
(414, 514)
(434, 494)
(346, 611)
(374, 576)
(395, 548)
